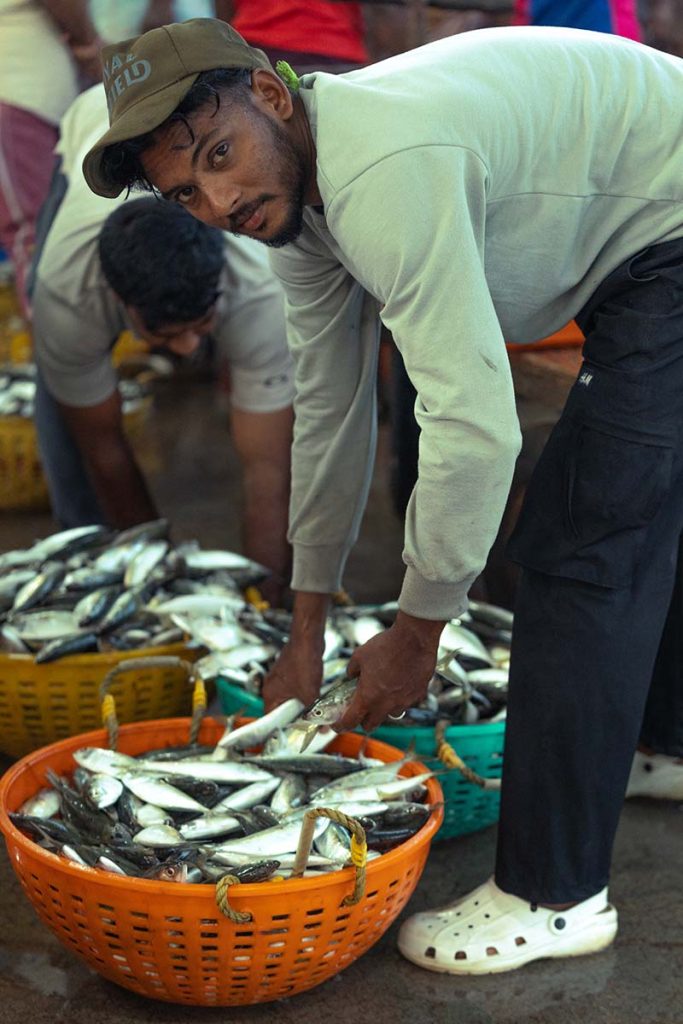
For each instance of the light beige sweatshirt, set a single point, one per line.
(475, 190)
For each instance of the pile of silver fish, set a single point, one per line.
(469, 685)
(18, 389)
(88, 590)
(196, 813)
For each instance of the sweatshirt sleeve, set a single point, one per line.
(333, 333)
(413, 229)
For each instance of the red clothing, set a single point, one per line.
(323, 27)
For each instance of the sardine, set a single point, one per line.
(254, 733)
(152, 790)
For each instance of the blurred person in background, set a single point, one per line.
(617, 16)
(47, 49)
(663, 25)
(148, 266)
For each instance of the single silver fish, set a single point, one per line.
(99, 760)
(234, 772)
(209, 825)
(270, 842)
(45, 804)
(254, 733)
(102, 790)
(158, 836)
(153, 790)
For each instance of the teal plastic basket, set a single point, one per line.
(467, 807)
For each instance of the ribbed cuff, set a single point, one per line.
(429, 600)
(318, 568)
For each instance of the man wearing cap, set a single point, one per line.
(491, 185)
(138, 263)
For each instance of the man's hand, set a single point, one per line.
(296, 673)
(393, 670)
(299, 669)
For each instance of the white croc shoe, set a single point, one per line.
(491, 931)
(657, 776)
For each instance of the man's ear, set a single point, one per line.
(271, 92)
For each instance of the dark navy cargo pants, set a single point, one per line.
(597, 656)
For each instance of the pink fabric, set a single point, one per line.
(26, 158)
(624, 19)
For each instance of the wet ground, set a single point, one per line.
(638, 981)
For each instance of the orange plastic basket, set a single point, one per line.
(169, 940)
(43, 703)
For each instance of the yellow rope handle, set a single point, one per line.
(340, 598)
(222, 886)
(359, 847)
(109, 718)
(255, 598)
(448, 756)
(198, 701)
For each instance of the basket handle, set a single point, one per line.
(448, 756)
(109, 719)
(359, 848)
(359, 855)
(222, 886)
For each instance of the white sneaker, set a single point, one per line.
(657, 776)
(491, 931)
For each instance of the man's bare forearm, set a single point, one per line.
(120, 487)
(73, 18)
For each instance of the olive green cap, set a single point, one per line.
(147, 77)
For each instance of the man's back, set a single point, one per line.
(569, 141)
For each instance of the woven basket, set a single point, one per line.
(170, 941)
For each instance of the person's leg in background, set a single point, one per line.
(72, 497)
(26, 161)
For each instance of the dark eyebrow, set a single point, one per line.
(195, 159)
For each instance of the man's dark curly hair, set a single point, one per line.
(121, 163)
(162, 261)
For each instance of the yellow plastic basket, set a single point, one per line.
(126, 346)
(22, 483)
(40, 704)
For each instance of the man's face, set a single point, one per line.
(241, 172)
(181, 339)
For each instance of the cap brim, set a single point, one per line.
(141, 118)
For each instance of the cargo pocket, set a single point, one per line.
(589, 503)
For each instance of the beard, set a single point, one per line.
(293, 178)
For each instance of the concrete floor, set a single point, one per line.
(638, 981)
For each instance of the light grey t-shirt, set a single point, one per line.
(77, 317)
